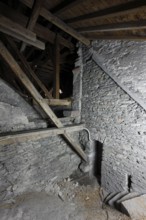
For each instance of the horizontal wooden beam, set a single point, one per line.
(6, 55)
(42, 32)
(60, 24)
(17, 137)
(117, 37)
(15, 30)
(58, 102)
(66, 5)
(141, 24)
(118, 10)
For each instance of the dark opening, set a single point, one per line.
(97, 164)
(129, 182)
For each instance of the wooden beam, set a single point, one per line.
(118, 10)
(57, 69)
(59, 102)
(60, 24)
(33, 19)
(27, 67)
(141, 24)
(41, 31)
(66, 5)
(35, 94)
(18, 137)
(15, 30)
(117, 37)
(56, 21)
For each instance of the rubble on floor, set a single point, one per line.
(67, 200)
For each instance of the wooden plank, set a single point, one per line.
(56, 86)
(15, 30)
(18, 137)
(141, 24)
(119, 10)
(66, 5)
(35, 94)
(27, 67)
(41, 31)
(33, 19)
(59, 23)
(117, 37)
(59, 102)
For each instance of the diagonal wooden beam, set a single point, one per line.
(63, 26)
(30, 87)
(60, 24)
(15, 30)
(118, 10)
(18, 137)
(33, 19)
(141, 24)
(41, 31)
(27, 67)
(66, 5)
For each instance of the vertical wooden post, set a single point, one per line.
(56, 68)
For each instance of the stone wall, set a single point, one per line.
(113, 117)
(31, 165)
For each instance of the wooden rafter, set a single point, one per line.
(60, 24)
(17, 137)
(117, 37)
(29, 86)
(33, 18)
(141, 24)
(66, 5)
(13, 29)
(40, 31)
(118, 10)
(63, 26)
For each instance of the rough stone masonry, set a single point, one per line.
(112, 116)
(32, 165)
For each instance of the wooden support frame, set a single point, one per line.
(60, 24)
(18, 137)
(33, 19)
(118, 10)
(57, 69)
(13, 29)
(141, 24)
(27, 67)
(41, 31)
(29, 86)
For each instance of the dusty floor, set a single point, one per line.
(68, 200)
